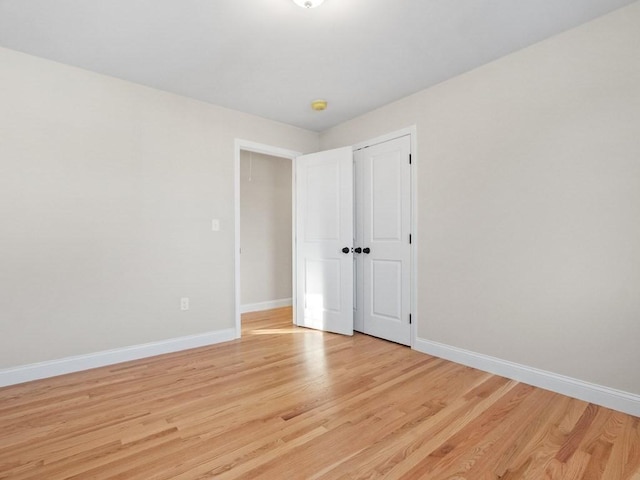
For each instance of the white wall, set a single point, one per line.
(107, 191)
(529, 203)
(528, 193)
(265, 228)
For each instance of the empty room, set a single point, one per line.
(320, 239)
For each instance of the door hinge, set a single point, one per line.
(409, 159)
(409, 319)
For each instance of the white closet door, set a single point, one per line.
(385, 210)
(324, 228)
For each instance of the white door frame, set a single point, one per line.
(412, 132)
(250, 146)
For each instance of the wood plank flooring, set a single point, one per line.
(290, 403)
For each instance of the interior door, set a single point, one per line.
(384, 217)
(324, 237)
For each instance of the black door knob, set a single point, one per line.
(366, 250)
(345, 250)
(358, 250)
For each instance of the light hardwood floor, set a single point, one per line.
(290, 403)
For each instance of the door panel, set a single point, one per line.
(322, 211)
(386, 218)
(385, 196)
(386, 286)
(324, 226)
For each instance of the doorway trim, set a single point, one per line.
(255, 147)
(412, 131)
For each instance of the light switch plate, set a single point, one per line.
(215, 225)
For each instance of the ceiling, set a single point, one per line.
(272, 58)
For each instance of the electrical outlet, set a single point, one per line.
(184, 303)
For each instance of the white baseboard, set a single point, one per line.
(589, 392)
(257, 307)
(35, 371)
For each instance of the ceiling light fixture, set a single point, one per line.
(308, 3)
(319, 105)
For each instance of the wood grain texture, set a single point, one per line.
(290, 403)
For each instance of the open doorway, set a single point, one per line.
(265, 232)
(264, 212)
